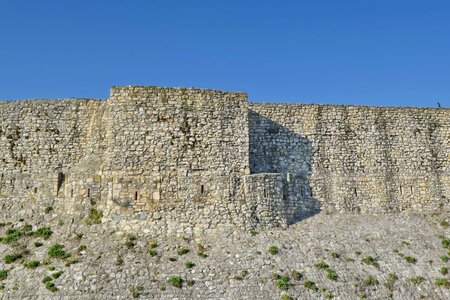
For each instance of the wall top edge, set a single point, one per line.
(168, 89)
(50, 100)
(348, 106)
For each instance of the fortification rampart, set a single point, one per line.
(192, 159)
(373, 159)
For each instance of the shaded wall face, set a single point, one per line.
(362, 158)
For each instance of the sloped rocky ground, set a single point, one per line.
(343, 256)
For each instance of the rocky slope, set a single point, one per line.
(342, 256)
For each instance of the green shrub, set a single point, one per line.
(273, 250)
(153, 244)
(443, 271)
(442, 282)
(444, 223)
(390, 282)
(444, 258)
(370, 281)
(328, 295)
(58, 274)
(153, 252)
(131, 241)
(369, 260)
(189, 264)
(445, 243)
(12, 235)
(38, 244)
(10, 258)
(411, 259)
(182, 251)
(58, 252)
(296, 275)
(190, 282)
(46, 279)
(253, 232)
(321, 265)
(137, 291)
(32, 264)
(49, 285)
(176, 281)
(310, 285)
(48, 209)
(331, 274)
(43, 232)
(3, 274)
(417, 279)
(335, 255)
(283, 283)
(95, 216)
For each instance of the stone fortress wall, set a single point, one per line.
(194, 158)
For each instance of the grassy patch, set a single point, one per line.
(370, 281)
(95, 216)
(58, 274)
(442, 282)
(57, 251)
(331, 274)
(273, 250)
(369, 260)
(390, 282)
(443, 270)
(189, 264)
(321, 265)
(182, 251)
(176, 281)
(417, 279)
(10, 258)
(310, 285)
(43, 232)
(283, 282)
(411, 259)
(32, 264)
(3, 274)
(136, 291)
(131, 241)
(296, 275)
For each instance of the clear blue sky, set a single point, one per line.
(347, 52)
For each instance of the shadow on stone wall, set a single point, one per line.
(274, 148)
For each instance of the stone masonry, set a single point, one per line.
(192, 159)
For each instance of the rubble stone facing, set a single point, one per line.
(187, 160)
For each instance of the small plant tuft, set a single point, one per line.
(442, 282)
(331, 274)
(369, 260)
(32, 264)
(58, 252)
(182, 251)
(189, 264)
(176, 281)
(273, 250)
(3, 274)
(136, 291)
(283, 282)
(321, 265)
(370, 281)
(411, 259)
(417, 279)
(310, 285)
